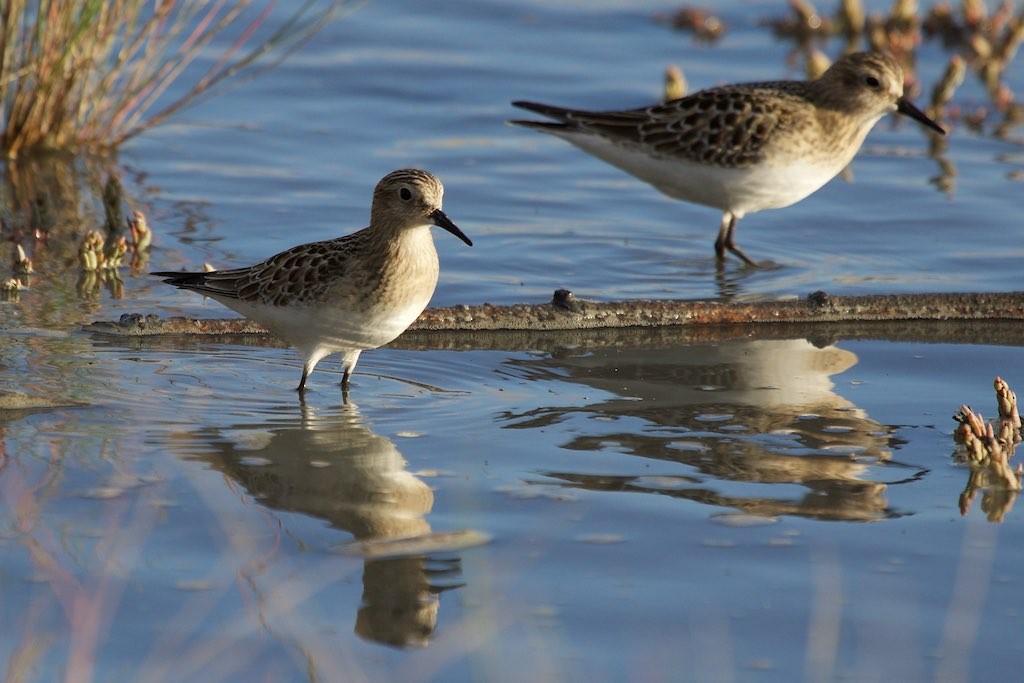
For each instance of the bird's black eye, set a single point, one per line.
(872, 82)
(405, 194)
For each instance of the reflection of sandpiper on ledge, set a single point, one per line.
(755, 412)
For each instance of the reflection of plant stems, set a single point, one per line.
(112, 194)
(88, 596)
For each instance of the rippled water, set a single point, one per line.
(734, 504)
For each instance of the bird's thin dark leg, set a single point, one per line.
(346, 378)
(302, 382)
(727, 240)
(723, 232)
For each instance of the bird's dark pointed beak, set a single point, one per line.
(442, 221)
(904, 107)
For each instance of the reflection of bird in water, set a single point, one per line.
(334, 467)
(760, 411)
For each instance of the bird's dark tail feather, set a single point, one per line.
(182, 279)
(549, 110)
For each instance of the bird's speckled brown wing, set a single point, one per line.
(298, 275)
(727, 126)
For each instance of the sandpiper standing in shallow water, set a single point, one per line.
(747, 147)
(348, 294)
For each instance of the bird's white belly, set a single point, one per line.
(770, 185)
(334, 329)
(746, 190)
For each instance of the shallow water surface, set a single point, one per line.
(740, 504)
(746, 508)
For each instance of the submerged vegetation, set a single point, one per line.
(89, 75)
(987, 449)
